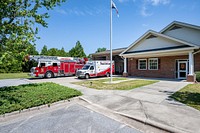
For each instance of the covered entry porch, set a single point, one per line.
(177, 64)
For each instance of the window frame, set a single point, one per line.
(149, 63)
(139, 64)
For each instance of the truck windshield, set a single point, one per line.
(85, 67)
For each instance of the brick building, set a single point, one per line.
(105, 55)
(174, 52)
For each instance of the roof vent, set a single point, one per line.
(151, 36)
(175, 27)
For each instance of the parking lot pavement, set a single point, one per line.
(16, 82)
(13, 82)
(55, 80)
(72, 119)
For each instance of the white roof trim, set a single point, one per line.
(108, 51)
(151, 32)
(170, 52)
(179, 24)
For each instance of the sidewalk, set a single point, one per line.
(149, 104)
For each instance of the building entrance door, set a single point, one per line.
(182, 69)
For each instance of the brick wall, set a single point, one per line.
(167, 68)
(197, 62)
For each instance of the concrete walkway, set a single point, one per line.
(13, 82)
(149, 104)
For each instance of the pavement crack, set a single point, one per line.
(142, 108)
(119, 128)
(20, 124)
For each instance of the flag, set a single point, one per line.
(114, 7)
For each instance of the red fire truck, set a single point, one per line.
(53, 66)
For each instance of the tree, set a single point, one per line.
(100, 50)
(77, 51)
(44, 50)
(53, 52)
(32, 50)
(27, 65)
(19, 20)
(62, 52)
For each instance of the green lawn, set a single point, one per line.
(31, 95)
(189, 95)
(125, 85)
(13, 75)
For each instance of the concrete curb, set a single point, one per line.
(38, 107)
(148, 122)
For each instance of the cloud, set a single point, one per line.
(122, 1)
(83, 12)
(73, 12)
(149, 3)
(144, 11)
(145, 25)
(158, 2)
(61, 11)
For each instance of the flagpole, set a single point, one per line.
(110, 41)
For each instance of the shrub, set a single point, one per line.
(198, 76)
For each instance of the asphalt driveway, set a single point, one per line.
(70, 119)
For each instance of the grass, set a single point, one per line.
(125, 85)
(189, 95)
(26, 96)
(13, 75)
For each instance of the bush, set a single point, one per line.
(198, 76)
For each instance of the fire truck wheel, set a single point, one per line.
(48, 75)
(107, 74)
(87, 76)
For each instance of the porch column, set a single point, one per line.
(191, 63)
(125, 71)
(125, 74)
(191, 77)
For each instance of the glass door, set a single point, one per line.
(182, 69)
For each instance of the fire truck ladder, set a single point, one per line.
(42, 57)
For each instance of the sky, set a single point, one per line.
(88, 21)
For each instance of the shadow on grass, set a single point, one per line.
(167, 92)
(189, 98)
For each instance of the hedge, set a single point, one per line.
(197, 76)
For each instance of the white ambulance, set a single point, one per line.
(95, 69)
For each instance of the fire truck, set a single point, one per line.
(53, 66)
(95, 69)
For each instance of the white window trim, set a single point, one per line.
(149, 63)
(139, 64)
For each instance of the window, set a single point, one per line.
(92, 68)
(55, 64)
(42, 64)
(85, 67)
(153, 64)
(142, 64)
